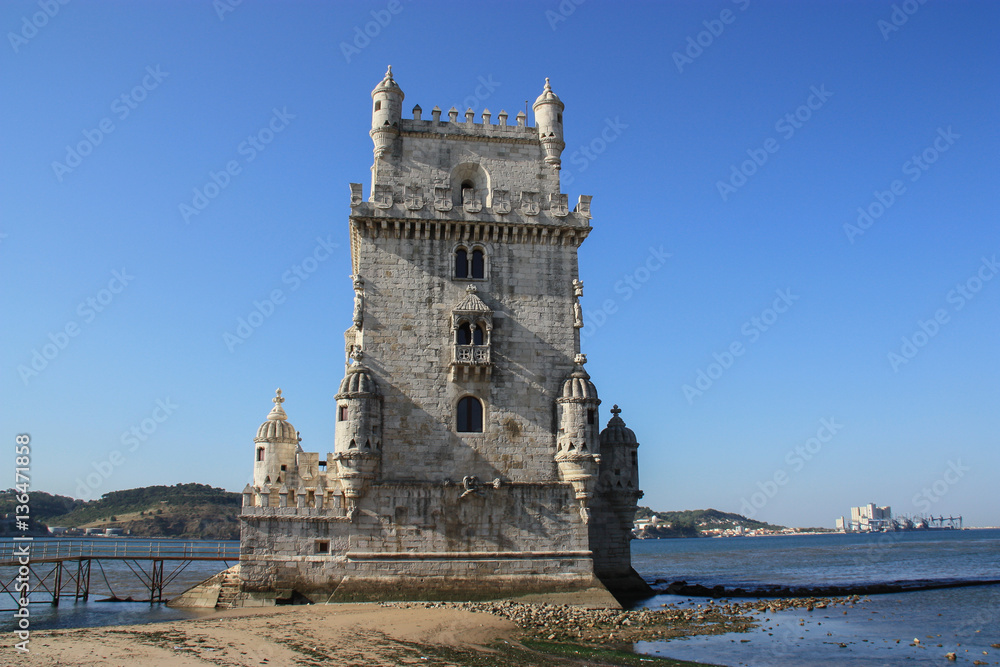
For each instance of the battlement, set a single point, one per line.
(466, 127)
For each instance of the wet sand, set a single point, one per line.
(353, 634)
(376, 635)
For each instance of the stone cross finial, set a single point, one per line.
(278, 400)
(581, 359)
(548, 87)
(616, 410)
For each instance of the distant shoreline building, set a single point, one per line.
(468, 460)
(871, 518)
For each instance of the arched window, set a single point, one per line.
(477, 335)
(461, 263)
(260, 453)
(378, 105)
(470, 415)
(478, 266)
(465, 334)
(470, 263)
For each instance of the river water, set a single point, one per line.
(111, 578)
(879, 630)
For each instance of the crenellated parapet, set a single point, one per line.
(505, 212)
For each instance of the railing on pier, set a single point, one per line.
(51, 550)
(62, 568)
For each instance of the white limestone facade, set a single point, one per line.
(468, 459)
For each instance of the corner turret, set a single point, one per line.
(548, 110)
(358, 439)
(578, 442)
(387, 110)
(620, 463)
(275, 447)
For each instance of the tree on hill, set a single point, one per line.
(688, 523)
(44, 506)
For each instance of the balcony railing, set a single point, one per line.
(472, 355)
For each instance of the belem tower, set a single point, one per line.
(468, 459)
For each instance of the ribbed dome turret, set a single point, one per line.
(388, 85)
(277, 428)
(578, 384)
(548, 97)
(616, 432)
(357, 382)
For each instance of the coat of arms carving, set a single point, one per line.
(471, 201)
(383, 196)
(559, 205)
(501, 202)
(414, 198)
(529, 203)
(442, 198)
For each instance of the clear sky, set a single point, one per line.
(165, 167)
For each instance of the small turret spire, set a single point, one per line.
(277, 412)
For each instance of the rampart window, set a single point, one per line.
(470, 265)
(478, 264)
(470, 415)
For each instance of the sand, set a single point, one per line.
(366, 635)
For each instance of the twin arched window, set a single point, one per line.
(470, 265)
(470, 415)
(470, 335)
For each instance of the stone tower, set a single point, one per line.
(468, 459)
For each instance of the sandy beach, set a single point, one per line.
(378, 635)
(353, 634)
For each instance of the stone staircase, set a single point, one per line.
(230, 588)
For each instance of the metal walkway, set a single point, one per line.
(58, 569)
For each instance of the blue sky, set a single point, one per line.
(739, 138)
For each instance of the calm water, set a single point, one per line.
(111, 578)
(963, 620)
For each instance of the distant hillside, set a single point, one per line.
(43, 505)
(691, 523)
(195, 511)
